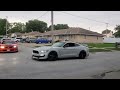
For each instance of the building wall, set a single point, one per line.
(89, 39)
(111, 40)
(29, 36)
(80, 38)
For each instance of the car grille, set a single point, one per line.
(34, 51)
(9, 47)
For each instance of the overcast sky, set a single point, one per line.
(111, 17)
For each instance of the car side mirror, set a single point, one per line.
(64, 46)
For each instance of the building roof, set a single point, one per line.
(72, 31)
(18, 33)
(33, 33)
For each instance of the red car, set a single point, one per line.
(8, 46)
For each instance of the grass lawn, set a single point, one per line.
(100, 45)
(117, 49)
(99, 50)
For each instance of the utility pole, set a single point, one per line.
(52, 27)
(106, 28)
(6, 25)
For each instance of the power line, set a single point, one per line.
(84, 17)
(89, 19)
(43, 14)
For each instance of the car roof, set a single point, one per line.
(6, 41)
(69, 42)
(6, 38)
(9, 40)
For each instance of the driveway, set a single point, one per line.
(21, 66)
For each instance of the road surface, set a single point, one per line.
(21, 66)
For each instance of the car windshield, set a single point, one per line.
(8, 42)
(59, 44)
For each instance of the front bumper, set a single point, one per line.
(39, 56)
(88, 54)
(8, 50)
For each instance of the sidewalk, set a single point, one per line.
(112, 75)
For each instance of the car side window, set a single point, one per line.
(66, 45)
(69, 45)
(77, 45)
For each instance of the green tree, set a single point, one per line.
(117, 29)
(106, 31)
(3, 26)
(16, 27)
(59, 26)
(36, 25)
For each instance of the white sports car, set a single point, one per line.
(61, 50)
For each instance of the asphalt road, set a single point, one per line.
(21, 66)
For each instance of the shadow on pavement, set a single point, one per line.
(61, 59)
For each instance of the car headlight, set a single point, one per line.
(15, 46)
(2, 47)
(44, 51)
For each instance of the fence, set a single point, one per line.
(111, 40)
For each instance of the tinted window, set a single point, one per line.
(77, 45)
(70, 45)
(18, 38)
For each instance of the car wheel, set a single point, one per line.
(52, 56)
(82, 55)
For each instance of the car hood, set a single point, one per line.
(43, 48)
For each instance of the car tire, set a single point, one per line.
(52, 56)
(82, 55)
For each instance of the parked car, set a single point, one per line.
(5, 39)
(23, 40)
(30, 40)
(18, 39)
(8, 46)
(61, 50)
(42, 40)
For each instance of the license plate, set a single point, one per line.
(8, 50)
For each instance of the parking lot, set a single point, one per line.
(21, 66)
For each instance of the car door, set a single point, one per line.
(68, 50)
